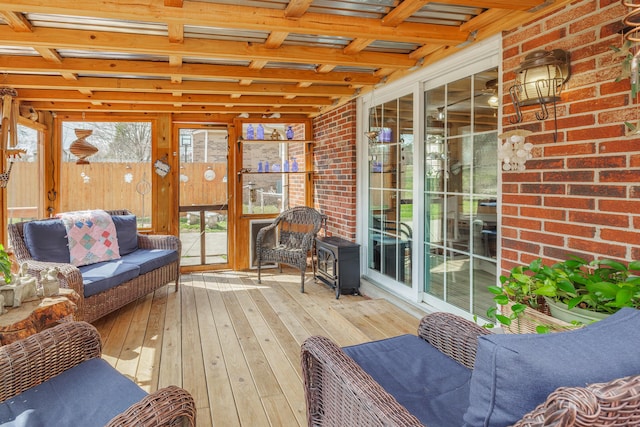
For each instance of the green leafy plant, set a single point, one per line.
(603, 286)
(5, 264)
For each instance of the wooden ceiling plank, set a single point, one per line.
(246, 17)
(164, 86)
(403, 11)
(173, 3)
(325, 68)
(17, 21)
(176, 33)
(297, 8)
(275, 39)
(155, 69)
(357, 45)
(158, 45)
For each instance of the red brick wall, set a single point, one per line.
(335, 169)
(580, 195)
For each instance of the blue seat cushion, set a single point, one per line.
(515, 373)
(47, 240)
(89, 394)
(430, 385)
(105, 275)
(150, 259)
(127, 232)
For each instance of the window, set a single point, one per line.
(117, 176)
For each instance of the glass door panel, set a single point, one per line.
(204, 196)
(460, 173)
(391, 180)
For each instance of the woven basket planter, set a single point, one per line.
(531, 319)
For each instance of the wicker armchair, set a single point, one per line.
(339, 392)
(35, 360)
(289, 239)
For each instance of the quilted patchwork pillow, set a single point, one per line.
(92, 237)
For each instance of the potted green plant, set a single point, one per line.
(521, 299)
(590, 291)
(575, 291)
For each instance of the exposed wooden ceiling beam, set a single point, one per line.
(163, 98)
(166, 108)
(501, 4)
(246, 17)
(165, 86)
(156, 69)
(158, 45)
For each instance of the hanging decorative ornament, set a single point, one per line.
(515, 152)
(128, 176)
(209, 174)
(81, 148)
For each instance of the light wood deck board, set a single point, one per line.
(235, 344)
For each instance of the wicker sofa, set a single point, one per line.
(57, 378)
(158, 257)
(457, 373)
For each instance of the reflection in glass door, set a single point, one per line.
(460, 196)
(204, 196)
(391, 182)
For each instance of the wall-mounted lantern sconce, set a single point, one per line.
(540, 80)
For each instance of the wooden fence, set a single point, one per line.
(111, 186)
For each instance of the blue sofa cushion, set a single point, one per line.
(150, 259)
(515, 373)
(89, 394)
(47, 240)
(432, 386)
(105, 275)
(127, 232)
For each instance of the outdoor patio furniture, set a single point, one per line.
(145, 263)
(289, 239)
(455, 372)
(58, 378)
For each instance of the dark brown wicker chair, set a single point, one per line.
(36, 359)
(289, 239)
(339, 392)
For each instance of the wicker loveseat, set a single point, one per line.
(57, 378)
(148, 262)
(455, 373)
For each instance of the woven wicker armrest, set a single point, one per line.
(452, 335)
(169, 406)
(159, 241)
(35, 359)
(339, 393)
(271, 228)
(615, 403)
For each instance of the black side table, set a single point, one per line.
(338, 264)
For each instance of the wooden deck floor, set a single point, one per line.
(234, 344)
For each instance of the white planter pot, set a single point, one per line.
(561, 311)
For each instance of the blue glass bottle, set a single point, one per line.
(294, 165)
(260, 132)
(285, 167)
(289, 132)
(266, 166)
(260, 166)
(250, 132)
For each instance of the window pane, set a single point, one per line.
(23, 189)
(122, 162)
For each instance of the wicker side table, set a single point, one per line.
(34, 316)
